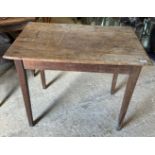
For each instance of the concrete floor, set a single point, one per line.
(77, 104)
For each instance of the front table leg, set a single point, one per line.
(133, 77)
(25, 90)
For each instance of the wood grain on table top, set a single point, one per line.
(73, 43)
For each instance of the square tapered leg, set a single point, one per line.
(43, 79)
(114, 80)
(25, 90)
(132, 80)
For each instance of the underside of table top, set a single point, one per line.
(71, 43)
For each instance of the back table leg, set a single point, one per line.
(133, 77)
(25, 91)
(33, 72)
(43, 80)
(114, 80)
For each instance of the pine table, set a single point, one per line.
(71, 47)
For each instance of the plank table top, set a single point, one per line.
(72, 43)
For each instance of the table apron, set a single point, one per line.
(100, 68)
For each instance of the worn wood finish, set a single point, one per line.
(54, 20)
(114, 80)
(133, 77)
(79, 48)
(25, 90)
(71, 43)
(81, 67)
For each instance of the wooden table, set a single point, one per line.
(70, 47)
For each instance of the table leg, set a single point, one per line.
(43, 80)
(33, 72)
(133, 77)
(25, 90)
(113, 86)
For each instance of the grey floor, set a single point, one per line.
(77, 104)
